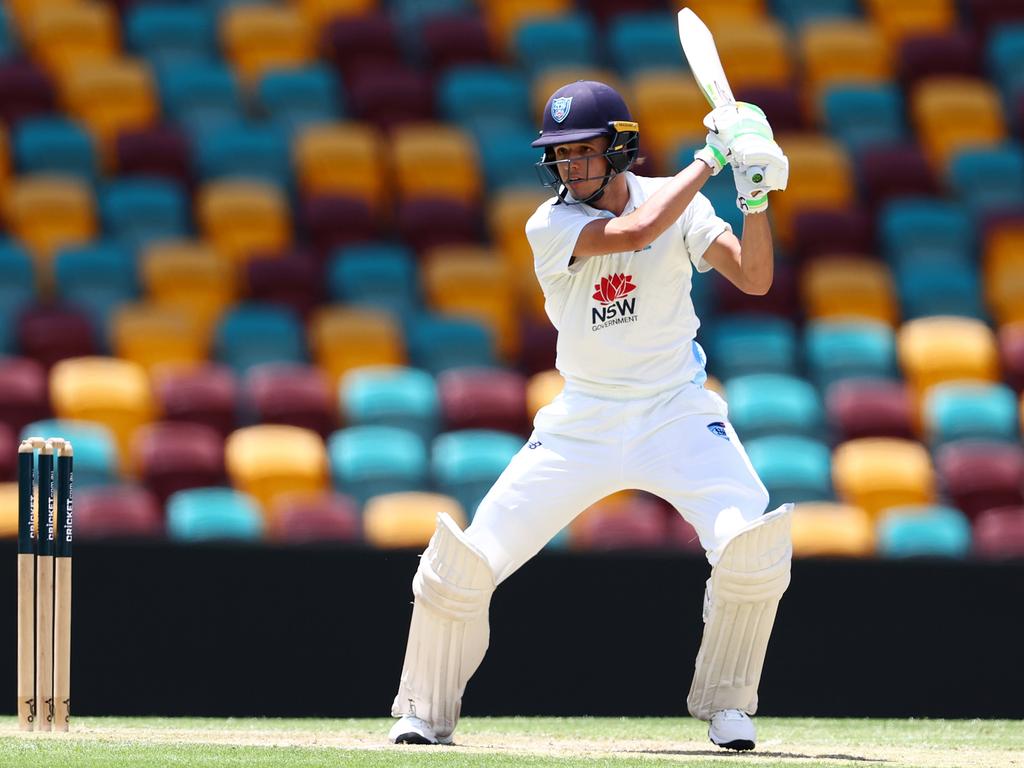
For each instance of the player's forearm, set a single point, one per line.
(663, 208)
(757, 255)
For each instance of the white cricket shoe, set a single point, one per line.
(413, 730)
(732, 729)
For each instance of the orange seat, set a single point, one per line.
(825, 529)
(21, 12)
(670, 109)
(8, 510)
(838, 52)
(342, 159)
(908, 18)
(64, 37)
(318, 13)
(951, 113)
(507, 214)
(268, 460)
(840, 287)
(820, 177)
(936, 349)
(154, 334)
(472, 281)
(755, 53)
(877, 472)
(435, 160)
(408, 519)
(343, 338)
(504, 17)
(541, 389)
(717, 14)
(192, 276)
(46, 212)
(1004, 274)
(244, 218)
(110, 97)
(551, 79)
(259, 38)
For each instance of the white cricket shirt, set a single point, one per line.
(625, 321)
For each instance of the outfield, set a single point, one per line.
(533, 742)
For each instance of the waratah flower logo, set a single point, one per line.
(613, 287)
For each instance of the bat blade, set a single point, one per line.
(702, 55)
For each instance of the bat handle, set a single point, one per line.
(755, 174)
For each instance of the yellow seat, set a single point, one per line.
(670, 109)
(343, 338)
(110, 97)
(243, 219)
(507, 214)
(46, 212)
(318, 13)
(878, 472)
(116, 393)
(937, 349)
(838, 52)
(755, 53)
(473, 281)
(192, 276)
(1004, 274)
(435, 160)
(504, 17)
(20, 13)
(951, 113)
(154, 334)
(268, 460)
(839, 287)
(342, 159)
(408, 519)
(911, 17)
(826, 529)
(259, 38)
(552, 78)
(64, 37)
(717, 14)
(820, 177)
(8, 510)
(541, 389)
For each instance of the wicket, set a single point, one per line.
(44, 585)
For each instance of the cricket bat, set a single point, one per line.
(702, 56)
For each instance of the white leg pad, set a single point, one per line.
(739, 610)
(449, 632)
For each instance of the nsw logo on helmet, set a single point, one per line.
(560, 108)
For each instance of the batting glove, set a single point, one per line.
(759, 167)
(731, 122)
(714, 154)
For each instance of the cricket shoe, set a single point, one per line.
(413, 730)
(732, 729)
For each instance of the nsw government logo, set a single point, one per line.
(615, 308)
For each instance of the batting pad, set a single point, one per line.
(743, 596)
(449, 632)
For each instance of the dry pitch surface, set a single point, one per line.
(533, 742)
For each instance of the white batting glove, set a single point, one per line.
(759, 167)
(714, 154)
(731, 122)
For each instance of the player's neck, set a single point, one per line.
(615, 196)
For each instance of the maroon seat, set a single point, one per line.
(301, 518)
(391, 95)
(1011, 352)
(641, 523)
(990, 222)
(605, 11)
(24, 392)
(159, 151)
(539, 342)
(8, 452)
(927, 55)
(207, 394)
(782, 105)
(173, 455)
(895, 171)
(355, 42)
(682, 535)
(1017, 115)
(483, 398)
(117, 511)
(294, 280)
(869, 408)
(331, 221)
(425, 223)
(456, 40)
(999, 533)
(25, 90)
(49, 333)
(979, 475)
(986, 15)
(781, 299)
(286, 393)
(828, 232)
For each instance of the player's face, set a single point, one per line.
(582, 165)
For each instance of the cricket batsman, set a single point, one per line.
(614, 254)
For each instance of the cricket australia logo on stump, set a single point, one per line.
(615, 308)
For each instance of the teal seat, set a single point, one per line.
(295, 98)
(772, 403)
(18, 287)
(213, 514)
(246, 150)
(481, 94)
(989, 179)
(8, 40)
(865, 116)
(742, 344)
(202, 95)
(96, 277)
(1004, 54)
(437, 343)
(136, 211)
(642, 41)
(792, 468)
(54, 145)
(251, 334)
(797, 13)
(370, 460)
(558, 41)
(929, 530)
(837, 350)
(391, 396)
(171, 34)
(507, 158)
(378, 274)
(920, 230)
(96, 456)
(720, 190)
(958, 410)
(928, 289)
(466, 463)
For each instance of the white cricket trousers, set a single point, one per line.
(677, 445)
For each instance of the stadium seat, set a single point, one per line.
(507, 159)
(319, 13)
(162, 151)
(394, 396)
(49, 333)
(96, 450)
(671, 109)
(870, 408)
(342, 338)
(755, 52)
(507, 210)
(715, 14)
(886, 173)
(136, 211)
(999, 533)
(25, 91)
(298, 395)
(978, 475)
(455, 40)
(742, 344)
(937, 55)
(836, 288)
(241, 218)
(270, 459)
(830, 529)
(407, 520)
(466, 463)
(1004, 55)
(792, 468)
(621, 522)
(639, 43)
(189, 275)
(879, 472)
(54, 145)
(377, 274)
(111, 97)
(342, 159)
(64, 37)
(426, 223)
(484, 96)
(908, 19)
(541, 389)
(925, 231)
(781, 103)
(928, 289)
(438, 342)
(152, 334)
(504, 18)
(391, 96)
(201, 96)
(936, 349)
(359, 41)
(988, 180)
(207, 394)
(956, 410)
(167, 35)
(556, 41)
(171, 456)
(369, 460)
(864, 116)
(821, 177)
(245, 151)
(483, 398)
(95, 278)
(842, 52)
(292, 280)
(800, 13)
(923, 530)
(435, 160)
(205, 514)
(250, 334)
(844, 349)
(258, 38)
(306, 518)
(951, 113)
(773, 403)
(18, 288)
(23, 393)
(1011, 354)
(116, 512)
(332, 221)
(1003, 264)
(988, 15)
(295, 98)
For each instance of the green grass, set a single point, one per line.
(499, 742)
